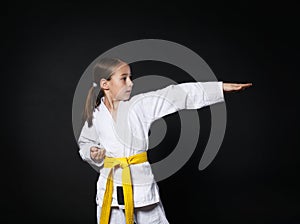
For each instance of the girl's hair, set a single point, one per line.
(104, 68)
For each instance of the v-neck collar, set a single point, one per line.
(105, 108)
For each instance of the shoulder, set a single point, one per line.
(132, 105)
(97, 111)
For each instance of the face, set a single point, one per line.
(120, 84)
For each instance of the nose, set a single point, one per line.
(130, 83)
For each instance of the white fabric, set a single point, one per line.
(128, 134)
(151, 214)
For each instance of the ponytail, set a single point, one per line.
(89, 107)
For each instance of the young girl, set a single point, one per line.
(114, 138)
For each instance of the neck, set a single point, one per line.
(111, 104)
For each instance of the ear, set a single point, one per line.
(104, 84)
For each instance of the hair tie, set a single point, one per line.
(94, 84)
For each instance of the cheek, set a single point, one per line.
(119, 89)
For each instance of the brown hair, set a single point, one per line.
(104, 68)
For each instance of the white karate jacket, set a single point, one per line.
(128, 135)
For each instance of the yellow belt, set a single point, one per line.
(124, 163)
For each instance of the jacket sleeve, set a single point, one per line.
(191, 95)
(87, 139)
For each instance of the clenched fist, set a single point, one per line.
(97, 154)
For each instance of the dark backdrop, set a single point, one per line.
(45, 49)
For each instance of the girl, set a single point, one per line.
(114, 138)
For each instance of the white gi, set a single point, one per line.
(128, 135)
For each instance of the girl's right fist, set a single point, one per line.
(97, 154)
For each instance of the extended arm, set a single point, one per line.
(191, 95)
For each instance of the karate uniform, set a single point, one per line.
(128, 135)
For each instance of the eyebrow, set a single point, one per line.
(125, 74)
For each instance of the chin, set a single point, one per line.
(126, 98)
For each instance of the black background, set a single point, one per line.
(45, 49)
